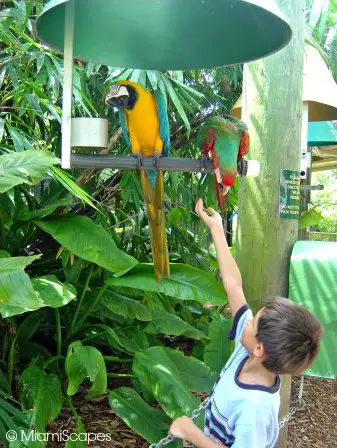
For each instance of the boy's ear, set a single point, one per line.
(259, 351)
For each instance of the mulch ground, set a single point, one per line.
(314, 425)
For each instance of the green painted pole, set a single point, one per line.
(67, 83)
(272, 109)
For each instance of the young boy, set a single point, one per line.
(282, 338)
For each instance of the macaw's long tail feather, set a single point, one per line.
(221, 193)
(220, 198)
(154, 199)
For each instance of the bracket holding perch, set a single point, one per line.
(311, 187)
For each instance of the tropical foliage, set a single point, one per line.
(78, 294)
(77, 291)
(322, 214)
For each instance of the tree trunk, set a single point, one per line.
(272, 109)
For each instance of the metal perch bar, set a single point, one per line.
(149, 163)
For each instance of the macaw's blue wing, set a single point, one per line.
(122, 121)
(163, 121)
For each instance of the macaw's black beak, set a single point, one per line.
(118, 96)
(117, 101)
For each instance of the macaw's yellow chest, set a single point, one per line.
(143, 126)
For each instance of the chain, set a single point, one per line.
(200, 409)
(203, 405)
(292, 411)
(163, 442)
(195, 414)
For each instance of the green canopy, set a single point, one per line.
(167, 34)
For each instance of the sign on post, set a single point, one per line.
(289, 195)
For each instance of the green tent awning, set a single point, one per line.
(322, 133)
(312, 284)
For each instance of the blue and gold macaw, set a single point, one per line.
(144, 121)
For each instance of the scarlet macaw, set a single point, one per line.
(226, 141)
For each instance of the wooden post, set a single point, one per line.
(272, 109)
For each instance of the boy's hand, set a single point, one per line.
(210, 217)
(183, 428)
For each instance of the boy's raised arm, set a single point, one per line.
(229, 270)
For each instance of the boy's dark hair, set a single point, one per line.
(290, 336)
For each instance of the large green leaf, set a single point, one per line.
(52, 292)
(172, 325)
(28, 327)
(135, 340)
(17, 294)
(47, 291)
(41, 393)
(150, 423)
(185, 283)
(24, 167)
(310, 218)
(19, 139)
(124, 306)
(85, 362)
(218, 350)
(112, 336)
(131, 341)
(83, 237)
(158, 373)
(194, 372)
(43, 211)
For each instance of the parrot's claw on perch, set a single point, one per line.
(156, 159)
(140, 162)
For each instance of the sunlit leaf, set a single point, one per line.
(150, 423)
(172, 325)
(219, 348)
(24, 167)
(184, 283)
(41, 393)
(158, 372)
(84, 238)
(85, 362)
(16, 289)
